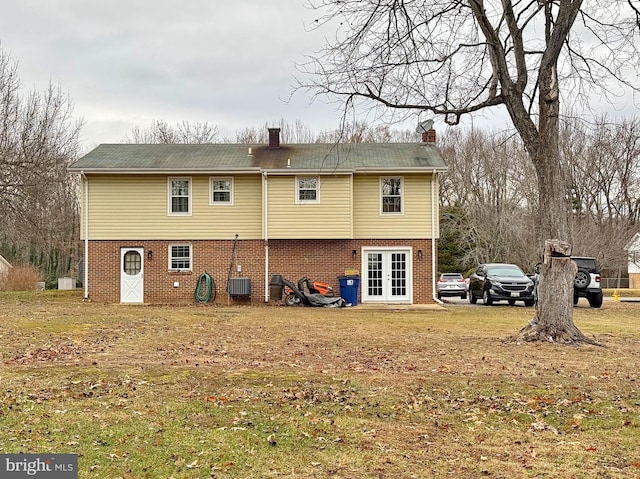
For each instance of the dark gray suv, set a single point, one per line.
(500, 282)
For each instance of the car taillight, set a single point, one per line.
(597, 278)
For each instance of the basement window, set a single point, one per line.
(180, 257)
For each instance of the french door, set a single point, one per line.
(387, 275)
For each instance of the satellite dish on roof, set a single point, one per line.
(424, 126)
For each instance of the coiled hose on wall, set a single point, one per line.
(205, 289)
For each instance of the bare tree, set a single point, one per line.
(362, 132)
(38, 140)
(297, 132)
(452, 58)
(602, 167)
(488, 183)
(160, 132)
(489, 194)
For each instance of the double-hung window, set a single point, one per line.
(221, 191)
(307, 189)
(180, 257)
(391, 195)
(179, 196)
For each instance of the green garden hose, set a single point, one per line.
(205, 289)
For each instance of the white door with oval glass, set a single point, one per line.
(131, 275)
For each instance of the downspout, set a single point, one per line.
(85, 280)
(433, 238)
(265, 217)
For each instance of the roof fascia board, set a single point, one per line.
(307, 171)
(159, 171)
(420, 169)
(241, 171)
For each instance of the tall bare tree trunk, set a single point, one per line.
(553, 319)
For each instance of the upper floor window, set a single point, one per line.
(391, 195)
(221, 191)
(179, 196)
(307, 189)
(180, 257)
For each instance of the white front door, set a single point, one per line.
(387, 275)
(131, 275)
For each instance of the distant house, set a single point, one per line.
(633, 250)
(155, 217)
(5, 266)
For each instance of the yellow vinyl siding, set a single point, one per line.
(135, 207)
(415, 220)
(330, 218)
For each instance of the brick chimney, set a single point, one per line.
(274, 137)
(429, 136)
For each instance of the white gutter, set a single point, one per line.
(265, 231)
(309, 171)
(416, 169)
(349, 171)
(85, 280)
(434, 256)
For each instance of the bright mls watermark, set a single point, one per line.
(40, 466)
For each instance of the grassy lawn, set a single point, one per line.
(240, 392)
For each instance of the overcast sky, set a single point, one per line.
(126, 63)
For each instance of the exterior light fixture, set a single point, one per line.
(150, 254)
(419, 254)
(354, 253)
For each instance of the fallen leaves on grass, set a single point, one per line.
(50, 353)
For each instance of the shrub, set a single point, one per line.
(20, 278)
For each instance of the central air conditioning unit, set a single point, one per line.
(239, 287)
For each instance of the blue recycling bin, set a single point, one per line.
(349, 288)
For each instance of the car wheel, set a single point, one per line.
(595, 299)
(512, 302)
(575, 299)
(529, 302)
(486, 298)
(463, 296)
(582, 279)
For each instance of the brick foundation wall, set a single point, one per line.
(320, 260)
(634, 280)
(326, 260)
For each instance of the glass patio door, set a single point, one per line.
(387, 276)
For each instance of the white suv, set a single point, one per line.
(452, 284)
(587, 281)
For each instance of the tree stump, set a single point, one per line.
(553, 320)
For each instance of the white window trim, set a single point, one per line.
(170, 257)
(169, 195)
(388, 213)
(220, 203)
(307, 202)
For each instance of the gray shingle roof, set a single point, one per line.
(318, 157)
